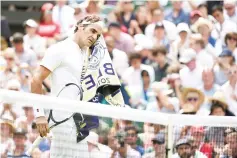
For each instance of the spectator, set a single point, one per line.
(126, 14)
(203, 8)
(32, 40)
(164, 102)
(193, 97)
(194, 16)
(191, 70)
(144, 47)
(158, 16)
(131, 139)
(231, 146)
(63, 15)
(119, 58)
(204, 27)
(132, 75)
(159, 147)
(159, 55)
(24, 54)
(209, 87)
(123, 41)
(230, 11)
(231, 43)
(6, 134)
(9, 71)
(123, 149)
(183, 148)
(8, 108)
(143, 17)
(202, 57)
(223, 25)
(177, 15)
(47, 27)
(230, 89)
(221, 68)
(160, 38)
(19, 138)
(197, 133)
(181, 43)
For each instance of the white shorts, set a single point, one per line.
(64, 142)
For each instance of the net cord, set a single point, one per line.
(50, 102)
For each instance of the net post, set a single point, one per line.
(170, 138)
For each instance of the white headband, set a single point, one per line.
(100, 23)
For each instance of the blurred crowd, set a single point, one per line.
(175, 57)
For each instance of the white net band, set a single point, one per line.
(48, 102)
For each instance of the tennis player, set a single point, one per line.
(64, 62)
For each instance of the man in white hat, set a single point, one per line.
(191, 73)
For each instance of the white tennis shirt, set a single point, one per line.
(65, 60)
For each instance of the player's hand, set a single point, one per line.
(42, 126)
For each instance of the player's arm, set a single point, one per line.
(36, 87)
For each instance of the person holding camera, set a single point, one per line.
(122, 149)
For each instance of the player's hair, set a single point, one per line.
(89, 18)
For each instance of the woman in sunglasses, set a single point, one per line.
(193, 97)
(231, 43)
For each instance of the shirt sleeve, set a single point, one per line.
(52, 58)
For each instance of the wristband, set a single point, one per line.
(39, 112)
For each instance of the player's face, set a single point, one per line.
(91, 34)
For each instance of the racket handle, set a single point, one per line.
(34, 145)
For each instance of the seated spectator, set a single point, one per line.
(224, 61)
(62, 15)
(159, 146)
(126, 14)
(177, 15)
(231, 146)
(230, 89)
(158, 17)
(132, 75)
(122, 149)
(230, 10)
(164, 102)
(194, 16)
(181, 43)
(7, 108)
(143, 17)
(19, 149)
(160, 38)
(191, 69)
(205, 27)
(219, 106)
(223, 26)
(119, 58)
(231, 43)
(144, 47)
(47, 27)
(194, 97)
(203, 58)
(123, 41)
(24, 54)
(199, 147)
(183, 149)
(6, 134)
(32, 40)
(9, 70)
(209, 87)
(159, 55)
(131, 139)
